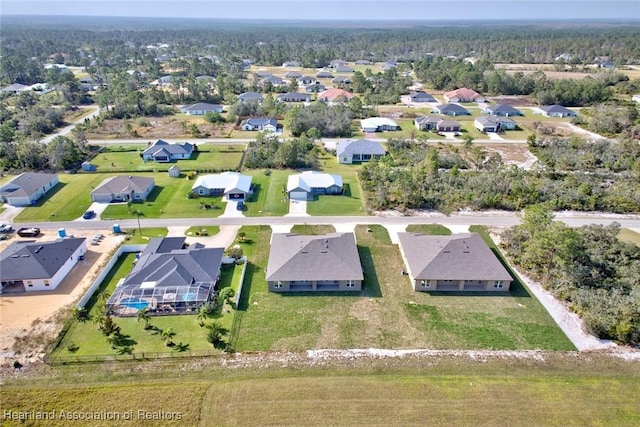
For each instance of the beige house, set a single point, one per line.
(460, 262)
(320, 263)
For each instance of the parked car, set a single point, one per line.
(240, 205)
(28, 232)
(5, 228)
(88, 214)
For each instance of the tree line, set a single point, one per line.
(589, 268)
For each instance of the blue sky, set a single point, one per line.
(331, 10)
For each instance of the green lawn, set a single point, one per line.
(313, 229)
(189, 335)
(209, 157)
(211, 230)
(269, 197)
(387, 313)
(348, 203)
(430, 229)
(134, 236)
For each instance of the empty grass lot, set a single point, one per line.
(387, 313)
(208, 157)
(430, 229)
(269, 197)
(629, 236)
(189, 335)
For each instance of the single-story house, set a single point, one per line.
(26, 188)
(290, 64)
(360, 150)
(556, 111)
(39, 266)
(335, 95)
(444, 125)
(463, 95)
(426, 122)
(305, 185)
(636, 98)
(343, 69)
(494, 123)
(378, 124)
(459, 262)
(324, 75)
(263, 74)
(274, 80)
(260, 124)
(363, 62)
(306, 80)
(451, 110)
(388, 65)
(201, 108)
(315, 88)
(15, 88)
(163, 81)
(205, 78)
(168, 277)
(337, 63)
(341, 80)
(231, 185)
(299, 263)
(293, 74)
(421, 96)
(502, 110)
(162, 151)
(293, 97)
(250, 97)
(123, 188)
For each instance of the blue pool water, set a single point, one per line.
(136, 303)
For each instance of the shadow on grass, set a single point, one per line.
(249, 272)
(346, 190)
(180, 347)
(371, 282)
(154, 193)
(49, 194)
(255, 196)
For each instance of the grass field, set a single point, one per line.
(208, 157)
(141, 236)
(561, 390)
(313, 229)
(387, 313)
(211, 230)
(348, 203)
(269, 197)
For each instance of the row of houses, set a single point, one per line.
(171, 276)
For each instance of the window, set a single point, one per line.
(425, 283)
(350, 284)
(30, 283)
(498, 284)
(278, 285)
(46, 283)
(201, 192)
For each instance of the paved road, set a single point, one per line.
(497, 219)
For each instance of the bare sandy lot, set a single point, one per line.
(36, 316)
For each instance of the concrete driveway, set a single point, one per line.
(297, 208)
(9, 213)
(231, 210)
(98, 208)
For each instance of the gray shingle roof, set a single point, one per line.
(165, 262)
(260, 121)
(29, 183)
(250, 96)
(123, 184)
(324, 257)
(556, 109)
(36, 260)
(169, 148)
(503, 109)
(462, 256)
(359, 146)
(451, 108)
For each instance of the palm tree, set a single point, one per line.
(167, 335)
(216, 331)
(143, 314)
(202, 314)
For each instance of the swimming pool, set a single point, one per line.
(136, 303)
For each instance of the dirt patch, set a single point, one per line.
(513, 154)
(30, 320)
(169, 127)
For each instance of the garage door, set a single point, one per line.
(298, 195)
